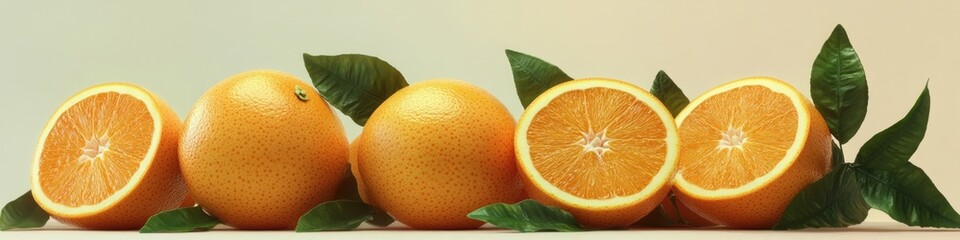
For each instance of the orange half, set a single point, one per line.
(748, 147)
(107, 159)
(603, 149)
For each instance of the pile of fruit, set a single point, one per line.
(264, 150)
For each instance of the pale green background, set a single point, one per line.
(178, 49)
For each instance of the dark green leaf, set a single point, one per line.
(832, 201)
(837, 155)
(356, 84)
(533, 76)
(337, 215)
(894, 146)
(668, 93)
(838, 86)
(526, 216)
(23, 213)
(907, 195)
(186, 219)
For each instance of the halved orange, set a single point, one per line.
(602, 149)
(748, 147)
(107, 159)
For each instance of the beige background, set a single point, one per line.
(177, 49)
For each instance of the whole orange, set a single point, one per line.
(260, 149)
(437, 150)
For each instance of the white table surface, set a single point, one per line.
(867, 230)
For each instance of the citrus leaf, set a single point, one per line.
(668, 93)
(526, 216)
(908, 195)
(894, 146)
(186, 219)
(23, 213)
(353, 83)
(838, 86)
(336, 215)
(832, 201)
(533, 76)
(837, 158)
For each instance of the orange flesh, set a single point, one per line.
(94, 148)
(737, 136)
(597, 143)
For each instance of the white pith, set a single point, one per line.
(596, 143)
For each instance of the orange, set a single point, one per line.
(437, 150)
(670, 215)
(107, 159)
(355, 170)
(260, 149)
(188, 201)
(682, 212)
(748, 147)
(602, 149)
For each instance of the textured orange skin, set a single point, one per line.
(601, 219)
(762, 208)
(689, 217)
(257, 157)
(188, 201)
(355, 169)
(437, 150)
(160, 189)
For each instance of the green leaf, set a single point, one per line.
(894, 146)
(526, 216)
(838, 86)
(186, 219)
(336, 215)
(356, 84)
(832, 201)
(908, 195)
(668, 93)
(533, 76)
(837, 159)
(23, 213)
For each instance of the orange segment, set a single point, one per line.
(602, 149)
(590, 142)
(107, 159)
(94, 148)
(738, 136)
